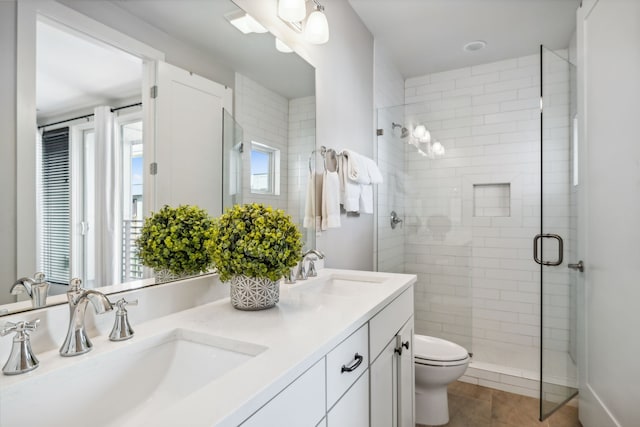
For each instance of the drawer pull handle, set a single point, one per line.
(399, 349)
(358, 360)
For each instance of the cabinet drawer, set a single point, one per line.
(344, 367)
(300, 404)
(352, 410)
(384, 325)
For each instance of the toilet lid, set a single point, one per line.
(431, 348)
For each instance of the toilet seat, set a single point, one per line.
(432, 351)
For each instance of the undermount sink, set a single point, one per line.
(341, 285)
(126, 386)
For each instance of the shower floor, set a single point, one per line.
(520, 372)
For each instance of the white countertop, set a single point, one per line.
(302, 328)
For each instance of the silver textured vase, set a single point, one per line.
(254, 293)
(166, 276)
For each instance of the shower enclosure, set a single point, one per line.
(484, 180)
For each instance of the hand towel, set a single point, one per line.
(366, 199)
(310, 204)
(330, 200)
(349, 190)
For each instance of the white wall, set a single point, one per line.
(7, 148)
(302, 141)
(344, 96)
(609, 66)
(477, 282)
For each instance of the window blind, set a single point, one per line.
(56, 206)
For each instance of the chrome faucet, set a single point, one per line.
(302, 273)
(21, 359)
(37, 289)
(77, 342)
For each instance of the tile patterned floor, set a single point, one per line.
(475, 406)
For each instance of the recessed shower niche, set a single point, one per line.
(491, 200)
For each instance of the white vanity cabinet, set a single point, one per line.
(363, 381)
(392, 375)
(300, 404)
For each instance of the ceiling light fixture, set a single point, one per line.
(245, 22)
(317, 29)
(292, 10)
(315, 26)
(425, 144)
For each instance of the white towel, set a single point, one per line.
(366, 199)
(349, 190)
(375, 176)
(356, 167)
(310, 204)
(330, 200)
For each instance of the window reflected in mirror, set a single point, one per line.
(265, 169)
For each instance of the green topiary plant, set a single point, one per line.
(174, 239)
(256, 241)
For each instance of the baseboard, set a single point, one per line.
(593, 412)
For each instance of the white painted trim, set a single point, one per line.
(83, 25)
(26, 206)
(593, 412)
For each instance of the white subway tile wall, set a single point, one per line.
(264, 118)
(389, 98)
(288, 125)
(477, 282)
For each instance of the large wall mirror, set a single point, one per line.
(94, 133)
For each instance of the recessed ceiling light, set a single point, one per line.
(474, 45)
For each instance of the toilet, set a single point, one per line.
(438, 363)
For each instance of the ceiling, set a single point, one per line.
(427, 36)
(203, 25)
(73, 72)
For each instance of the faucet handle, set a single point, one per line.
(122, 330)
(39, 277)
(75, 284)
(122, 303)
(21, 327)
(21, 359)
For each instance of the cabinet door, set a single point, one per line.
(406, 379)
(352, 410)
(383, 374)
(300, 404)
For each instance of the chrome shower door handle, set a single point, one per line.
(560, 249)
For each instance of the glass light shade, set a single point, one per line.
(438, 148)
(282, 46)
(419, 131)
(426, 137)
(292, 10)
(316, 30)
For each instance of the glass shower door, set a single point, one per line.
(554, 247)
(232, 147)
